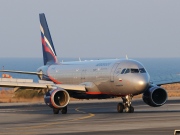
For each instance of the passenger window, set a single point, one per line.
(142, 70)
(122, 72)
(134, 70)
(127, 71)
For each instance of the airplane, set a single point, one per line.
(91, 79)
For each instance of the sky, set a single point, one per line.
(92, 28)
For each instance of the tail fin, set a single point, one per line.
(49, 53)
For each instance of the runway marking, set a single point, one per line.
(54, 123)
(86, 117)
(77, 109)
(129, 120)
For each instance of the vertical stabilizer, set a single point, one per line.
(49, 53)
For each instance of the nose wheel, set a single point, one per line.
(126, 105)
(120, 107)
(129, 109)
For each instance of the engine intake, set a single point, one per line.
(57, 98)
(155, 96)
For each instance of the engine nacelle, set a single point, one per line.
(155, 96)
(57, 98)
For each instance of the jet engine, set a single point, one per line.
(57, 98)
(155, 96)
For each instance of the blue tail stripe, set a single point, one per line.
(49, 53)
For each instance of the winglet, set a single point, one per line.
(49, 53)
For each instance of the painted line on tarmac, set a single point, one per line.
(58, 122)
(86, 117)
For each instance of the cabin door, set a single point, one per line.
(113, 71)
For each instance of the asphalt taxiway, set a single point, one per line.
(90, 117)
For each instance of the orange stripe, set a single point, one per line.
(94, 93)
(52, 79)
(101, 93)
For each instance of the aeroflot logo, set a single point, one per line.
(47, 42)
(103, 64)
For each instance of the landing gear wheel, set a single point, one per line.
(120, 107)
(127, 103)
(64, 110)
(129, 109)
(55, 111)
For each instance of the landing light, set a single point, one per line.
(141, 82)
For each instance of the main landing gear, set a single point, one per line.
(63, 110)
(126, 105)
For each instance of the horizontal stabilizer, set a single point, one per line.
(22, 72)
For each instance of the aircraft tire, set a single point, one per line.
(64, 110)
(120, 107)
(129, 109)
(55, 111)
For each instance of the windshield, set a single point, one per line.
(122, 72)
(127, 71)
(142, 70)
(133, 70)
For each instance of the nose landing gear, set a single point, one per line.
(126, 105)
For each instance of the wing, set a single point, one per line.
(29, 84)
(166, 79)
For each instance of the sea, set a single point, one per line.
(156, 67)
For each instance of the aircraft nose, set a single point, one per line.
(142, 83)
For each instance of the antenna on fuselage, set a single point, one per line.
(127, 57)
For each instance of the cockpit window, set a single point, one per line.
(122, 72)
(142, 70)
(127, 71)
(134, 70)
